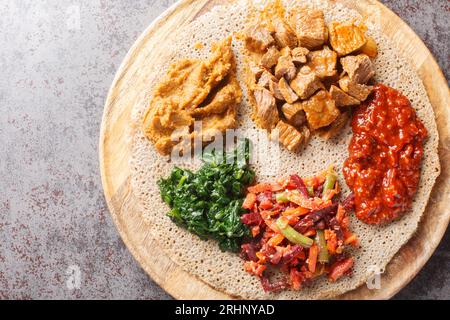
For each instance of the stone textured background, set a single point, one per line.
(55, 74)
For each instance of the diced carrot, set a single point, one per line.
(296, 278)
(300, 200)
(312, 259)
(266, 204)
(276, 240)
(266, 214)
(337, 187)
(299, 211)
(261, 256)
(276, 187)
(271, 224)
(340, 213)
(249, 201)
(329, 194)
(350, 238)
(345, 222)
(255, 231)
(301, 256)
(261, 187)
(254, 267)
(338, 269)
(310, 232)
(331, 238)
(292, 220)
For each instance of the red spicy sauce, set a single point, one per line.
(385, 153)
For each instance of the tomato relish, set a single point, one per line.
(385, 153)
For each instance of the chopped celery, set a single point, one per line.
(322, 244)
(330, 180)
(292, 235)
(281, 197)
(310, 191)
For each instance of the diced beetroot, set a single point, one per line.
(349, 202)
(249, 251)
(276, 257)
(264, 196)
(273, 287)
(300, 185)
(265, 200)
(253, 218)
(296, 278)
(291, 254)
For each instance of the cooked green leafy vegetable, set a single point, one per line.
(209, 202)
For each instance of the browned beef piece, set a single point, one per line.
(294, 114)
(257, 38)
(323, 62)
(309, 25)
(266, 108)
(306, 83)
(265, 79)
(284, 35)
(255, 69)
(336, 127)
(275, 90)
(288, 94)
(346, 37)
(320, 110)
(341, 98)
(359, 68)
(356, 90)
(288, 136)
(285, 68)
(299, 55)
(270, 58)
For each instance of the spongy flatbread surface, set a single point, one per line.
(224, 271)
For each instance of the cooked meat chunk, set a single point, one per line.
(309, 25)
(320, 110)
(255, 70)
(288, 136)
(359, 68)
(335, 128)
(356, 90)
(299, 55)
(288, 94)
(294, 114)
(270, 58)
(275, 90)
(370, 48)
(285, 68)
(341, 98)
(266, 109)
(286, 51)
(265, 79)
(284, 35)
(306, 134)
(346, 38)
(257, 38)
(323, 62)
(306, 83)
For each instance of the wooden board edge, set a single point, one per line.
(108, 194)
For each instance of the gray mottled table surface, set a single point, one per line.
(57, 61)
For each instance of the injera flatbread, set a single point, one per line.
(224, 271)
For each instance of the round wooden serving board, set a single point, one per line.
(131, 81)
